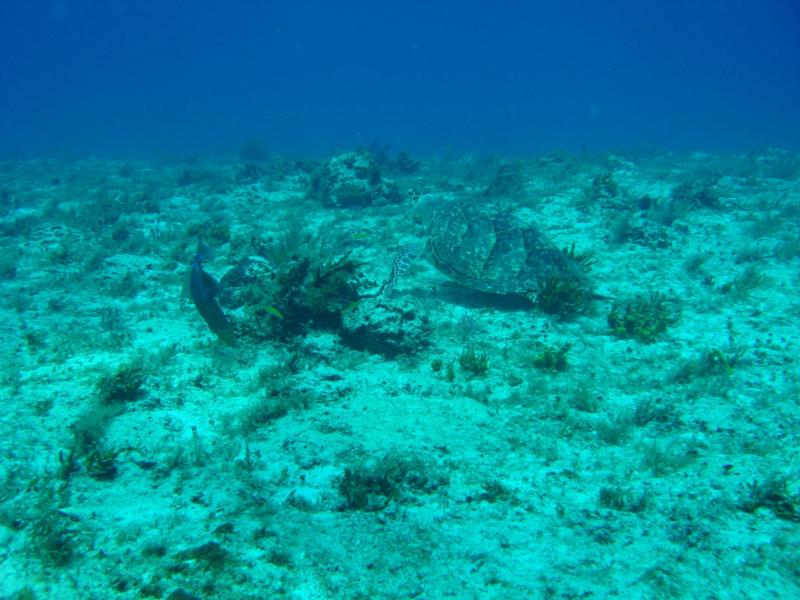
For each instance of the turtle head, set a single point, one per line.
(426, 208)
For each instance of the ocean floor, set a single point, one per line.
(373, 428)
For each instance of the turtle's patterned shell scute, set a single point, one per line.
(490, 249)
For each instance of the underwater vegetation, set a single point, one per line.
(751, 278)
(350, 411)
(473, 362)
(278, 394)
(623, 499)
(603, 187)
(552, 359)
(315, 290)
(643, 318)
(301, 285)
(372, 485)
(775, 494)
(468, 326)
(713, 367)
(564, 298)
(709, 363)
(568, 297)
(307, 283)
(124, 384)
(52, 538)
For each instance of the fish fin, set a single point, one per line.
(203, 251)
(228, 336)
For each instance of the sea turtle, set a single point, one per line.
(488, 248)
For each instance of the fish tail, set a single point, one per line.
(203, 251)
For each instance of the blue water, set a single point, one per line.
(387, 381)
(153, 78)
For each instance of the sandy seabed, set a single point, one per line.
(432, 442)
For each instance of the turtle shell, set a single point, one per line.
(491, 250)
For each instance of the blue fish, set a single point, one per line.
(203, 289)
